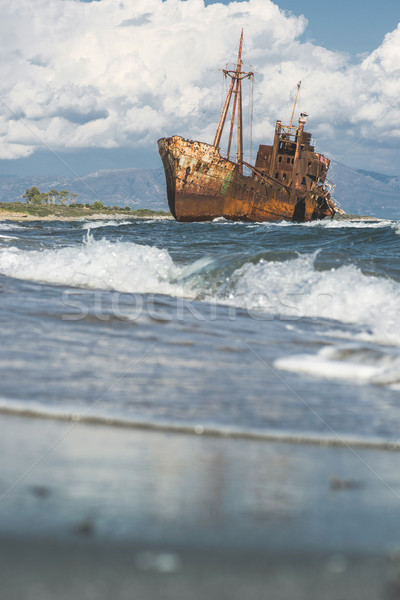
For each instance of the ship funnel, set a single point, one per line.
(303, 118)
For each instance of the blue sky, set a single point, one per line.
(353, 26)
(92, 85)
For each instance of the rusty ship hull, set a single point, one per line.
(288, 181)
(202, 186)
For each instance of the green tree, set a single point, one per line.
(98, 205)
(41, 199)
(32, 195)
(63, 196)
(53, 195)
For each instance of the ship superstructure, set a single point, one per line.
(287, 182)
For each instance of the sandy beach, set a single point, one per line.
(13, 216)
(95, 511)
(49, 570)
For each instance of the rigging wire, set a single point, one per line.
(251, 106)
(247, 114)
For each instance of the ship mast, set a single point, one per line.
(236, 82)
(295, 102)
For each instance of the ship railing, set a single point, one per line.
(327, 185)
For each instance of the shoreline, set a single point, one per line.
(13, 216)
(16, 216)
(86, 467)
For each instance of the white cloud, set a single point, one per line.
(109, 74)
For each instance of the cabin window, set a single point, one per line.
(288, 161)
(303, 181)
(309, 163)
(276, 175)
(280, 159)
(292, 160)
(284, 177)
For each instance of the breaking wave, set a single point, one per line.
(328, 224)
(125, 267)
(8, 237)
(367, 224)
(6, 226)
(296, 289)
(291, 288)
(97, 224)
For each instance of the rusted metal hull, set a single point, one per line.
(202, 186)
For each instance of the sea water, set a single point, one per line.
(277, 331)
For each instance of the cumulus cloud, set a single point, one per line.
(113, 74)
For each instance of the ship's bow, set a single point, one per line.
(166, 150)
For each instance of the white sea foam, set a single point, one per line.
(294, 289)
(97, 224)
(288, 290)
(332, 224)
(149, 220)
(125, 267)
(346, 363)
(6, 226)
(222, 220)
(396, 227)
(318, 366)
(366, 224)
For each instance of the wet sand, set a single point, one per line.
(44, 570)
(94, 511)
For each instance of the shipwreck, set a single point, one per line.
(287, 182)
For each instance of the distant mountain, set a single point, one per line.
(378, 176)
(357, 191)
(137, 188)
(395, 183)
(366, 192)
(391, 180)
